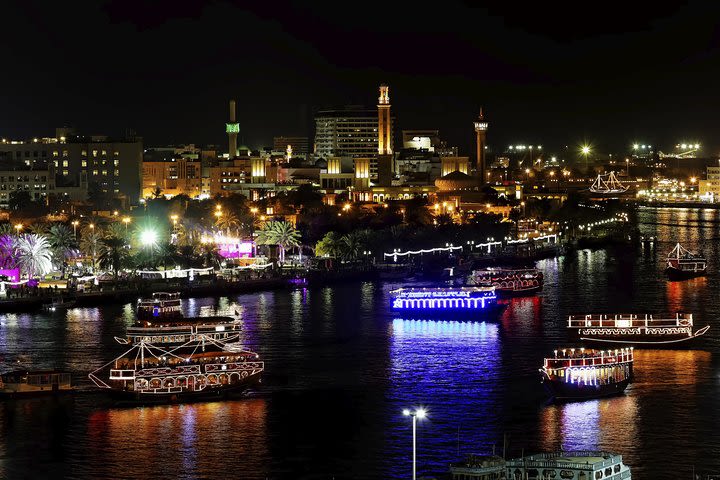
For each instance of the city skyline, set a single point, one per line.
(167, 71)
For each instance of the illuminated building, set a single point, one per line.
(709, 189)
(299, 145)
(385, 143)
(352, 132)
(113, 164)
(171, 171)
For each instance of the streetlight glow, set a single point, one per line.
(148, 237)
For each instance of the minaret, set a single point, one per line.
(481, 126)
(384, 125)
(232, 130)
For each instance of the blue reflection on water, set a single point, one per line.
(433, 364)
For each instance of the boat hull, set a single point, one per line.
(451, 313)
(564, 391)
(523, 292)
(661, 338)
(129, 397)
(680, 274)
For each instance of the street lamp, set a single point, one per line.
(18, 227)
(126, 220)
(586, 151)
(418, 413)
(75, 223)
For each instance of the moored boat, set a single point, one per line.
(149, 374)
(682, 263)
(58, 304)
(636, 329)
(510, 282)
(163, 305)
(22, 383)
(578, 373)
(444, 299)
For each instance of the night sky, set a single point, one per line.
(552, 73)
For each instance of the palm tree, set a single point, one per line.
(113, 254)
(352, 244)
(329, 246)
(210, 255)
(6, 228)
(34, 254)
(226, 221)
(90, 245)
(8, 260)
(62, 241)
(40, 228)
(279, 233)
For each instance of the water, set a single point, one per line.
(340, 367)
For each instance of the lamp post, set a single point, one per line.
(75, 223)
(586, 151)
(418, 413)
(18, 227)
(126, 220)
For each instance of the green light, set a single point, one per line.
(232, 127)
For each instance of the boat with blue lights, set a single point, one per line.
(650, 330)
(510, 282)
(580, 373)
(444, 299)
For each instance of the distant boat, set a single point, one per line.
(57, 304)
(682, 263)
(510, 282)
(608, 185)
(22, 383)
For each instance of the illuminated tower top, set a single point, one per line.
(481, 124)
(384, 98)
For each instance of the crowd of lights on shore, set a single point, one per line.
(398, 253)
(620, 217)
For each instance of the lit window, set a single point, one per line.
(65, 153)
(116, 162)
(83, 163)
(117, 172)
(65, 163)
(104, 153)
(94, 153)
(55, 163)
(65, 172)
(84, 153)
(55, 153)
(104, 172)
(95, 172)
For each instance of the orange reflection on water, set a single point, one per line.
(658, 370)
(192, 440)
(679, 292)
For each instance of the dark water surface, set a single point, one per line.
(340, 367)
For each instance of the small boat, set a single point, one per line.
(20, 383)
(196, 370)
(445, 300)
(510, 282)
(579, 373)
(653, 330)
(682, 263)
(58, 304)
(161, 305)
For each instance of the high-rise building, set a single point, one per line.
(298, 145)
(348, 132)
(111, 165)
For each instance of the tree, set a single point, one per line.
(226, 221)
(8, 260)
(62, 241)
(279, 233)
(34, 254)
(91, 244)
(113, 254)
(329, 246)
(352, 244)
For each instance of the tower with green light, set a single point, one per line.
(232, 128)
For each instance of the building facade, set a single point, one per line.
(111, 165)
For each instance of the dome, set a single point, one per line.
(456, 181)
